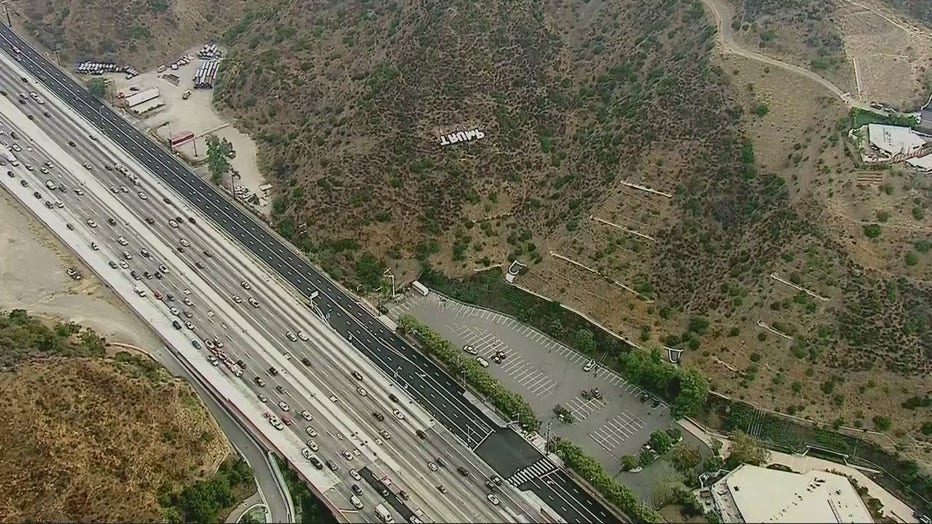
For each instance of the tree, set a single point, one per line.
(585, 341)
(369, 271)
(685, 459)
(556, 328)
(645, 458)
(628, 462)
(97, 87)
(660, 442)
(219, 154)
(694, 391)
(745, 450)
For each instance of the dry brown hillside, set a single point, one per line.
(138, 33)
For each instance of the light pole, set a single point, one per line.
(388, 273)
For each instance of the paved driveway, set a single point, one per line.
(548, 373)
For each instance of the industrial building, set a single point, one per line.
(141, 97)
(206, 74)
(755, 494)
(888, 144)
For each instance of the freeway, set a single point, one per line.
(275, 312)
(431, 388)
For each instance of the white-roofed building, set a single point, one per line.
(755, 494)
(922, 163)
(893, 141)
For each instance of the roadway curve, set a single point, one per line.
(723, 16)
(431, 386)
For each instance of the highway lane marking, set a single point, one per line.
(122, 125)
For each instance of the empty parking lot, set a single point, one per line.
(546, 373)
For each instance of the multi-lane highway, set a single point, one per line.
(331, 360)
(111, 212)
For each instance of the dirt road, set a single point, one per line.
(723, 15)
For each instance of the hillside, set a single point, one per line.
(680, 198)
(90, 438)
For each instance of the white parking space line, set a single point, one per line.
(581, 408)
(616, 430)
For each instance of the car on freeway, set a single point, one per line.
(362, 391)
(11, 174)
(245, 285)
(213, 360)
(259, 382)
(310, 431)
(392, 397)
(291, 336)
(303, 336)
(172, 223)
(174, 311)
(135, 274)
(273, 371)
(90, 222)
(189, 325)
(347, 455)
(281, 390)
(306, 452)
(356, 489)
(262, 398)
(87, 165)
(113, 264)
(176, 324)
(333, 467)
(253, 302)
(380, 417)
(207, 254)
(355, 474)
(317, 463)
(78, 191)
(24, 183)
(307, 415)
(333, 398)
(124, 265)
(493, 499)
(313, 445)
(143, 196)
(403, 494)
(209, 343)
(216, 339)
(150, 220)
(28, 167)
(283, 405)
(482, 362)
(420, 433)
(441, 488)
(196, 344)
(356, 375)
(240, 363)
(122, 241)
(589, 365)
(184, 242)
(94, 246)
(287, 420)
(440, 462)
(432, 466)
(111, 221)
(306, 361)
(237, 299)
(164, 269)
(114, 190)
(69, 226)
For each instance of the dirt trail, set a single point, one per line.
(723, 15)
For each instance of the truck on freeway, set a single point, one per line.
(383, 514)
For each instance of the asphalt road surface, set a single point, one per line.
(430, 387)
(174, 251)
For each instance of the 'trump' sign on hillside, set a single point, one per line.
(462, 136)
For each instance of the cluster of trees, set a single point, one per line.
(219, 153)
(509, 403)
(22, 337)
(308, 509)
(590, 470)
(203, 500)
(686, 389)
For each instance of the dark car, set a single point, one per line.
(392, 397)
(378, 416)
(150, 220)
(196, 344)
(332, 466)
(241, 364)
(305, 361)
(421, 434)
(356, 489)
(356, 375)
(111, 221)
(273, 371)
(317, 463)
(462, 471)
(72, 144)
(176, 324)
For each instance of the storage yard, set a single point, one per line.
(173, 102)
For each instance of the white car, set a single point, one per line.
(91, 223)
(589, 365)
(122, 241)
(184, 242)
(189, 325)
(362, 391)
(263, 398)
(143, 196)
(355, 474)
(123, 189)
(186, 300)
(379, 441)
(114, 190)
(283, 405)
(432, 466)
(253, 302)
(174, 311)
(123, 264)
(79, 192)
(307, 415)
(313, 445)
(306, 452)
(237, 299)
(310, 431)
(347, 455)
(303, 336)
(470, 349)
(385, 434)
(399, 415)
(291, 336)
(493, 499)
(164, 270)
(172, 223)
(482, 362)
(245, 285)
(186, 291)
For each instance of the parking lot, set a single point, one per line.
(547, 373)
